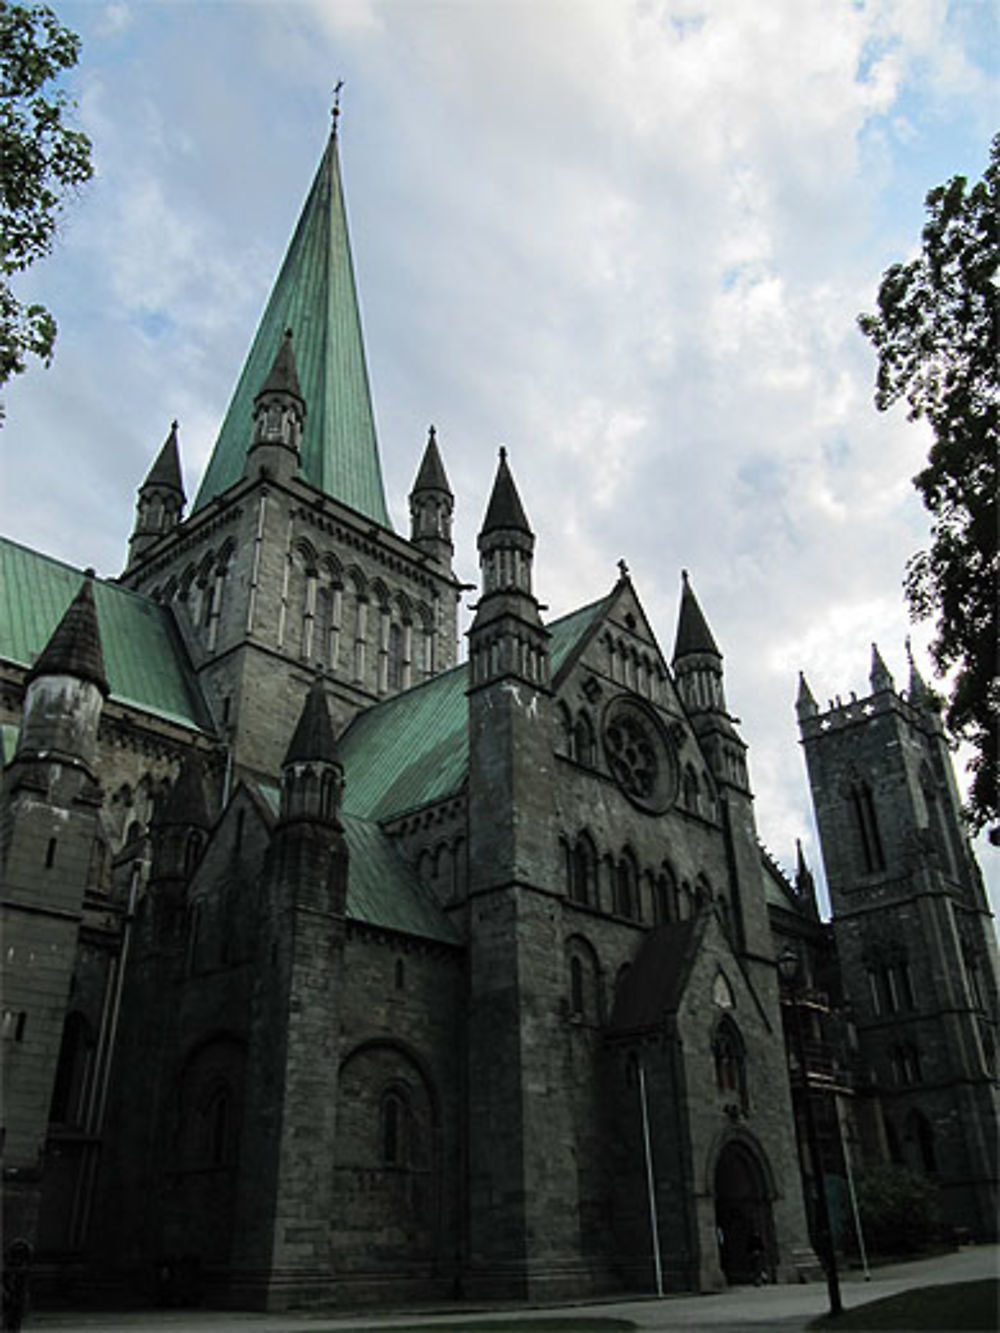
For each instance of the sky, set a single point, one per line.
(629, 241)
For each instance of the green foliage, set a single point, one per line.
(43, 162)
(937, 334)
(899, 1209)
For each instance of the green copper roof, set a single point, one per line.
(413, 750)
(315, 297)
(146, 664)
(382, 889)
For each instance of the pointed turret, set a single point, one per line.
(66, 686)
(312, 776)
(315, 295)
(805, 704)
(697, 660)
(880, 676)
(160, 501)
(920, 695)
(179, 830)
(432, 505)
(507, 637)
(805, 884)
(279, 413)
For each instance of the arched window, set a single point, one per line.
(565, 718)
(583, 740)
(576, 987)
(214, 1126)
(866, 825)
(625, 886)
(730, 1061)
(582, 873)
(395, 669)
(394, 1128)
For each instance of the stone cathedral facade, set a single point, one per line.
(339, 969)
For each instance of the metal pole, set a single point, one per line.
(845, 1152)
(649, 1180)
(828, 1256)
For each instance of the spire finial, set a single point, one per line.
(623, 569)
(503, 453)
(335, 110)
(431, 433)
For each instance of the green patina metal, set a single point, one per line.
(382, 889)
(147, 665)
(413, 750)
(315, 297)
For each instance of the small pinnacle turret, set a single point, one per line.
(74, 648)
(279, 413)
(693, 633)
(432, 505)
(66, 687)
(880, 676)
(312, 776)
(920, 695)
(160, 500)
(805, 704)
(507, 635)
(697, 661)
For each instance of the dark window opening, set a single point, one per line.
(867, 827)
(50, 854)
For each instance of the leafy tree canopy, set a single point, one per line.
(937, 334)
(43, 161)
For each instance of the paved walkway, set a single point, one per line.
(780, 1307)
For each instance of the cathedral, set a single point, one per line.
(341, 967)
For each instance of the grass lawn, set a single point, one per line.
(947, 1309)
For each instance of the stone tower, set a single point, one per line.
(913, 931)
(287, 562)
(520, 1143)
(50, 851)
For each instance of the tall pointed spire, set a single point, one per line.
(315, 295)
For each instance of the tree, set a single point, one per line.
(44, 161)
(937, 334)
(899, 1209)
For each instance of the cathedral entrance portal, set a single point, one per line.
(743, 1216)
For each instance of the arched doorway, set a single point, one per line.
(743, 1216)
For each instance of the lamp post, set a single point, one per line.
(790, 971)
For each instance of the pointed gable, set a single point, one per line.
(315, 296)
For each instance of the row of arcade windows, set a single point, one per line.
(615, 884)
(636, 670)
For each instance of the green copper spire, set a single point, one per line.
(315, 297)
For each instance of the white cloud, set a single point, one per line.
(628, 240)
